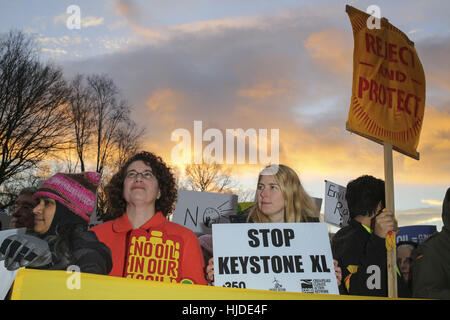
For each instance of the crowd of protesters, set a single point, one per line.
(142, 194)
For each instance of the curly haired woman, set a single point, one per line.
(144, 244)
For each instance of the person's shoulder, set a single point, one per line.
(348, 235)
(348, 229)
(438, 243)
(102, 226)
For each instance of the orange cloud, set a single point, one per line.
(166, 99)
(130, 11)
(434, 148)
(332, 49)
(267, 89)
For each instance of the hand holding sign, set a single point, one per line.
(209, 270)
(384, 222)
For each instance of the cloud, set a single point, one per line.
(434, 147)
(86, 22)
(131, 11)
(219, 25)
(266, 89)
(332, 49)
(278, 72)
(431, 202)
(419, 216)
(54, 51)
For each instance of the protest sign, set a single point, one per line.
(417, 234)
(33, 284)
(387, 103)
(292, 257)
(7, 277)
(336, 209)
(388, 92)
(198, 211)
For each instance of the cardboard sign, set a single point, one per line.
(388, 92)
(292, 257)
(7, 277)
(417, 234)
(198, 211)
(336, 209)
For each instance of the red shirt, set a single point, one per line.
(159, 250)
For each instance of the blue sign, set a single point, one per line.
(417, 234)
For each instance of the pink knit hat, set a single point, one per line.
(75, 191)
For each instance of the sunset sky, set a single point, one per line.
(284, 64)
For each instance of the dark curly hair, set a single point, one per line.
(114, 189)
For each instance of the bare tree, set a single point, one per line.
(10, 189)
(211, 177)
(127, 141)
(81, 117)
(109, 112)
(33, 121)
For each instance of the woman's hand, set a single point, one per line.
(337, 272)
(209, 270)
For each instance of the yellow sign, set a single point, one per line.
(61, 285)
(388, 93)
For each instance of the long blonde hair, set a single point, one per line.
(298, 205)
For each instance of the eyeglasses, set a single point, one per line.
(147, 174)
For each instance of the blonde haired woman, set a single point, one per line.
(280, 197)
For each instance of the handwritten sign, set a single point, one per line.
(293, 257)
(336, 209)
(7, 277)
(388, 92)
(198, 211)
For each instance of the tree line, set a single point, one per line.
(45, 116)
(78, 124)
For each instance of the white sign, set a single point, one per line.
(294, 257)
(7, 277)
(198, 211)
(336, 209)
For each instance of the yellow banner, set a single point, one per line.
(388, 93)
(61, 285)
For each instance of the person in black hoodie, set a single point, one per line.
(431, 261)
(61, 219)
(360, 247)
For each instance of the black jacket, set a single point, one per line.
(79, 248)
(362, 257)
(431, 261)
(72, 245)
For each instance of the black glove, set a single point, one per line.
(24, 250)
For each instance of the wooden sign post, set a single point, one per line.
(390, 206)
